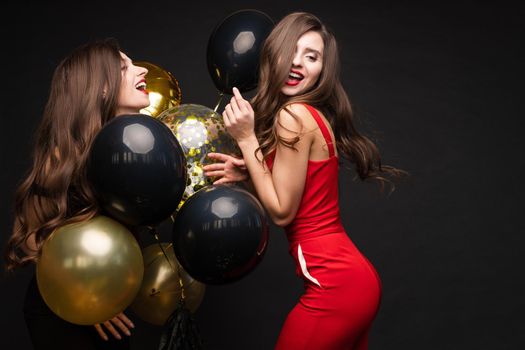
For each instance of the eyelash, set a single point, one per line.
(311, 58)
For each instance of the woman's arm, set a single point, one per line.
(280, 190)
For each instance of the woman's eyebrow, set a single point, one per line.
(308, 49)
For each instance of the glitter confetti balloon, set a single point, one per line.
(200, 131)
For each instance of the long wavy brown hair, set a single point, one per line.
(83, 97)
(327, 95)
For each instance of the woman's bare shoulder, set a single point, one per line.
(296, 117)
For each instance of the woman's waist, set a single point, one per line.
(307, 228)
(332, 251)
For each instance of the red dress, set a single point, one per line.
(342, 288)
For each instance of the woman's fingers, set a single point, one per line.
(112, 329)
(224, 157)
(237, 94)
(219, 156)
(248, 106)
(221, 181)
(226, 119)
(121, 321)
(126, 320)
(120, 324)
(216, 173)
(101, 332)
(241, 102)
(235, 106)
(238, 162)
(213, 167)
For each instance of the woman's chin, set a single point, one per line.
(290, 91)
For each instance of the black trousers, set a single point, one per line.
(48, 331)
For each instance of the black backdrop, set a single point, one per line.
(438, 85)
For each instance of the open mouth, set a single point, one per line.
(141, 86)
(294, 78)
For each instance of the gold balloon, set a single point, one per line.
(90, 271)
(163, 88)
(161, 290)
(199, 130)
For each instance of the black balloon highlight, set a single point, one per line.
(220, 234)
(234, 47)
(137, 170)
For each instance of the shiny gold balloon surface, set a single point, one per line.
(163, 88)
(90, 271)
(161, 290)
(200, 131)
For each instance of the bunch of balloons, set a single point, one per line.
(220, 233)
(93, 270)
(145, 168)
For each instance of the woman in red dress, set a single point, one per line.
(292, 136)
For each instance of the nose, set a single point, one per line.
(142, 70)
(296, 60)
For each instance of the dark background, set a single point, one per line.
(440, 88)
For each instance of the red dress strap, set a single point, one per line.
(323, 128)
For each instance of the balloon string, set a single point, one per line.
(182, 296)
(177, 271)
(162, 248)
(221, 95)
(165, 255)
(173, 216)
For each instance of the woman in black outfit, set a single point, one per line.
(91, 86)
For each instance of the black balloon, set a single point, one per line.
(220, 234)
(137, 170)
(234, 48)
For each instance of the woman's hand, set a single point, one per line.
(230, 169)
(121, 321)
(239, 117)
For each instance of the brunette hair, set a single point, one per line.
(327, 95)
(83, 98)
